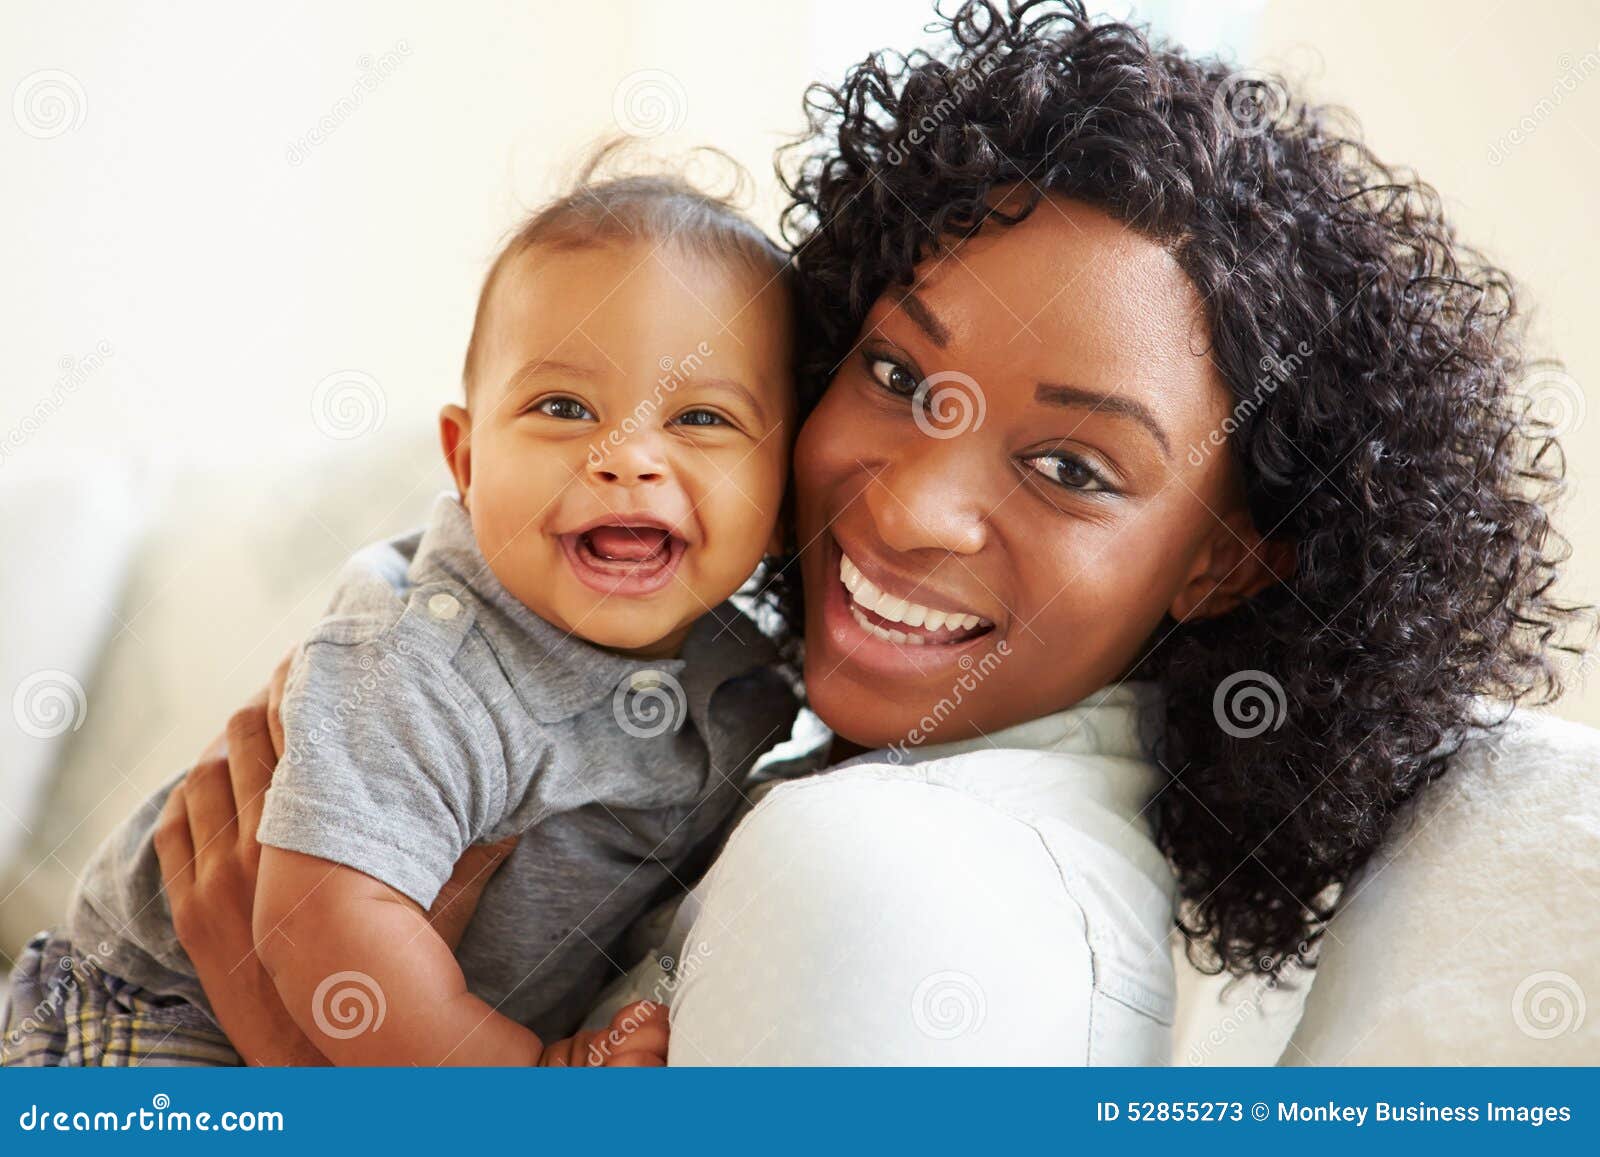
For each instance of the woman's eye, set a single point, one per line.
(699, 418)
(1069, 471)
(567, 409)
(892, 376)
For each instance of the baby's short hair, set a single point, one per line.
(660, 208)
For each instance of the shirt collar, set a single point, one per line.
(556, 674)
(1109, 724)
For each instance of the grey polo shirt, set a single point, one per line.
(430, 711)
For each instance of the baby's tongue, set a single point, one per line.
(627, 543)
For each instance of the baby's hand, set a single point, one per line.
(637, 1038)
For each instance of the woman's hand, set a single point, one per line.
(206, 842)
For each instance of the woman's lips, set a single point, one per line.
(615, 559)
(898, 620)
(856, 636)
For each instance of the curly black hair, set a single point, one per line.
(1389, 445)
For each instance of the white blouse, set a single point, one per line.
(987, 902)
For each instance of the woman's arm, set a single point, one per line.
(209, 862)
(883, 921)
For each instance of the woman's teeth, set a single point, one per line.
(866, 596)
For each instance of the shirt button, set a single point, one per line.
(443, 606)
(645, 680)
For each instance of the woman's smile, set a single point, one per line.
(871, 627)
(904, 620)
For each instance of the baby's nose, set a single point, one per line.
(633, 463)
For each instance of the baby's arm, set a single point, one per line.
(407, 1002)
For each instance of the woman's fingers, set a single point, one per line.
(251, 760)
(458, 899)
(208, 798)
(275, 685)
(175, 843)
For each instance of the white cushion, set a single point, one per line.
(71, 524)
(1474, 936)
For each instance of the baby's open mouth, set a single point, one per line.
(629, 546)
(617, 558)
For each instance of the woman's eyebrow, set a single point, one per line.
(1077, 397)
(917, 310)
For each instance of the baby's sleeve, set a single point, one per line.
(387, 765)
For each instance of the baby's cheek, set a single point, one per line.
(737, 519)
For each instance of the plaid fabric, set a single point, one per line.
(62, 1009)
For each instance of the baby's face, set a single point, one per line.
(630, 424)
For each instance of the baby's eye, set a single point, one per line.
(567, 409)
(892, 376)
(699, 418)
(1069, 471)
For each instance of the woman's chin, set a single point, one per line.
(858, 714)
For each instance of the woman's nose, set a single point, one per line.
(923, 499)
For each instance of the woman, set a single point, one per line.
(1188, 403)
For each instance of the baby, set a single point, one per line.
(553, 655)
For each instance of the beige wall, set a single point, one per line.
(1498, 106)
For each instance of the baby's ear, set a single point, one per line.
(1234, 565)
(455, 438)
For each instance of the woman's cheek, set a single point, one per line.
(840, 438)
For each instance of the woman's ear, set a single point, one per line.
(455, 437)
(1230, 568)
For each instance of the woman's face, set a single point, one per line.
(1006, 540)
